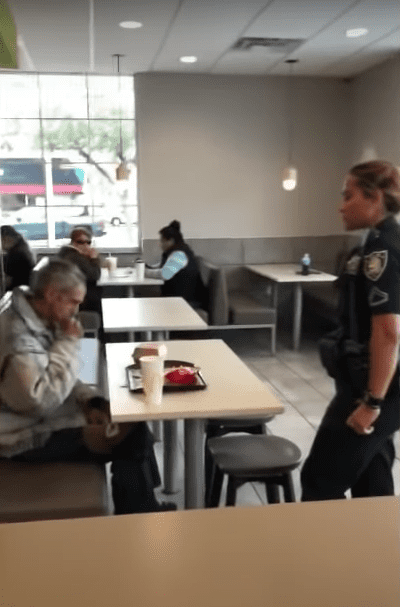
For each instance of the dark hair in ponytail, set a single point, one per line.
(379, 175)
(173, 231)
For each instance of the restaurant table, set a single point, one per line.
(155, 317)
(232, 391)
(126, 277)
(342, 553)
(149, 315)
(291, 273)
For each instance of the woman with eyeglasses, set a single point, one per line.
(81, 253)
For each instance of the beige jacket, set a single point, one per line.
(39, 389)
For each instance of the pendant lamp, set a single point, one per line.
(289, 175)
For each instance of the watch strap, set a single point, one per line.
(372, 401)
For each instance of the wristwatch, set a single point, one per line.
(371, 401)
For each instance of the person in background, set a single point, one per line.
(46, 413)
(178, 267)
(18, 260)
(81, 253)
(353, 448)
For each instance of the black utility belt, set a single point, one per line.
(345, 359)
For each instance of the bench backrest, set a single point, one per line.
(215, 281)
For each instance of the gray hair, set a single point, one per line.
(60, 273)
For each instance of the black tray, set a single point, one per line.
(133, 373)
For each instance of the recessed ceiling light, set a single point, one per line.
(131, 25)
(357, 32)
(188, 59)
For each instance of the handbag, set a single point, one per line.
(346, 358)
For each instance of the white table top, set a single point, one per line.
(150, 314)
(232, 389)
(318, 554)
(287, 272)
(126, 277)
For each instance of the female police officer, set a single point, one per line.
(353, 448)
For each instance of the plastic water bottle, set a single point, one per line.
(305, 264)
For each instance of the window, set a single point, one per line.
(62, 138)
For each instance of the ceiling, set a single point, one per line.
(82, 35)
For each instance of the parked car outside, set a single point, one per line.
(32, 224)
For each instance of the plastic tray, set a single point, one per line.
(135, 378)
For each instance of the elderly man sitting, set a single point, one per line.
(46, 414)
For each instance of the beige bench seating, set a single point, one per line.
(56, 490)
(231, 302)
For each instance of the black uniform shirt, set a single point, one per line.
(370, 283)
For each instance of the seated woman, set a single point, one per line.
(82, 254)
(178, 267)
(18, 258)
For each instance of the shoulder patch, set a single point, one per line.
(377, 297)
(375, 264)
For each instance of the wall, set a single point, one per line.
(376, 111)
(212, 149)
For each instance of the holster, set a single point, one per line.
(345, 359)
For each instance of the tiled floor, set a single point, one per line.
(299, 381)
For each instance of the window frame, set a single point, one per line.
(90, 92)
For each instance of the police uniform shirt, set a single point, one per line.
(381, 268)
(370, 283)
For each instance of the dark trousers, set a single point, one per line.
(134, 467)
(340, 459)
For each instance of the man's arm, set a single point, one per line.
(36, 381)
(383, 357)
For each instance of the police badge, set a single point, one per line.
(375, 264)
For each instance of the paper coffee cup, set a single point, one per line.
(152, 368)
(140, 266)
(112, 264)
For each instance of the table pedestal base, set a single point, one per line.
(194, 463)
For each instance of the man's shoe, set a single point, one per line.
(165, 506)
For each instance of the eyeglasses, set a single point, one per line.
(83, 241)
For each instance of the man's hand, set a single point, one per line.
(362, 418)
(71, 327)
(97, 410)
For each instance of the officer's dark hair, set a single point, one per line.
(172, 231)
(59, 273)
(379, 175)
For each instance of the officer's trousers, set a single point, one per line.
(340, 459)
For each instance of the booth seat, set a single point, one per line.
(56, 490)
(231, 303)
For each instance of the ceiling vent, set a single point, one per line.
(276, 45)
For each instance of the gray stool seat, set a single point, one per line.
(269, 459)
(225, 425)
(56, 490)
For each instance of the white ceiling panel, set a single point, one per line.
(305, 17)
(55, 35)
(206, 29)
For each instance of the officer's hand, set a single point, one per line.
(362, 418)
